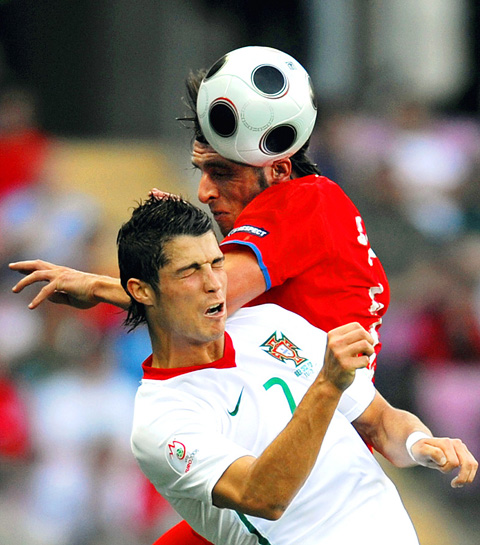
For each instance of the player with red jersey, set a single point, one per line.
(314, 254)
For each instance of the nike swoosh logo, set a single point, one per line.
(235, 411)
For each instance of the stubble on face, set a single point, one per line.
(225, 186)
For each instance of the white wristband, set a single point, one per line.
(412, 439)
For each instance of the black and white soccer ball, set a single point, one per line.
(256, 105)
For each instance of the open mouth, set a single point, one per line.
(214, 310)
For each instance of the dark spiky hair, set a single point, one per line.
(141, 242)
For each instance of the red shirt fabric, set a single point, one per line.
(311, 244)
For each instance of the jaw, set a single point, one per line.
(224, 222)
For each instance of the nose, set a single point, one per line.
(213, 279)
(207, 189)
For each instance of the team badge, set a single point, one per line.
(283, 349)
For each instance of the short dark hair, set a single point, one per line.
(302, 165)
(141, 242)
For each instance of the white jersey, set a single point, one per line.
(191, 423)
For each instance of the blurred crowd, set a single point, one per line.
(414, 174)
(68, 377)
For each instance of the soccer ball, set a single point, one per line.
(256, 105)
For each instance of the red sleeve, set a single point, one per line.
(286, 229)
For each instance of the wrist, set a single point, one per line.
(106, 289)
(412, 439)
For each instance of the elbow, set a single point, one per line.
(274, 513)
(264, 509)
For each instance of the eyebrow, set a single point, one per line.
(213, 163)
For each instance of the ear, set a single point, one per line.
(279, 171)
(141, 291)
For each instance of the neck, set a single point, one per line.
(169, 353)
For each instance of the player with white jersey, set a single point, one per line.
(249, 433)
(191, 423)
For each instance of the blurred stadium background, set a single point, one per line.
(89, 92)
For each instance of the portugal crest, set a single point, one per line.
(282, 349)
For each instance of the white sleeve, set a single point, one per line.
(180, 455)
(358, 396)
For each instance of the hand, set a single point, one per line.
(446, 454)
(348, 349)
(159, 194)
(64, 285)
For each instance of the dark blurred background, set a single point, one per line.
(109, 68)
(89, 93)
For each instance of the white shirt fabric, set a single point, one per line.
(191, 423)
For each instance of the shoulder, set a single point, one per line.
(306, 195)
(253, 321)
(258, 314)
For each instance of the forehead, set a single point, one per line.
(186, 249)
(203, 152)
(205, 155)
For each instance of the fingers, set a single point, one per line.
(47, 292)
(26, 267)
(159, 194)
(447, 454)
(468, 464)
(39, 271)
(352, 341)
(43, 275)
(348, 349)
(38, 276)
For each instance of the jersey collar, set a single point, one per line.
(227, 361)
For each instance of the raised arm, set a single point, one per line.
(69, 286)
(84, 290)
(266, 485)
(404, 440)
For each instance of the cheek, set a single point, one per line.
(243, 195)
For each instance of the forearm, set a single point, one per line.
(265, 486)
(106, 289)
(387, 429)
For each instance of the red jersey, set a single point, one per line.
(311, 245)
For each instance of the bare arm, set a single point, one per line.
(245, 279)
(387, 429)
(266, 485)
(85, 290)
(69, 286)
